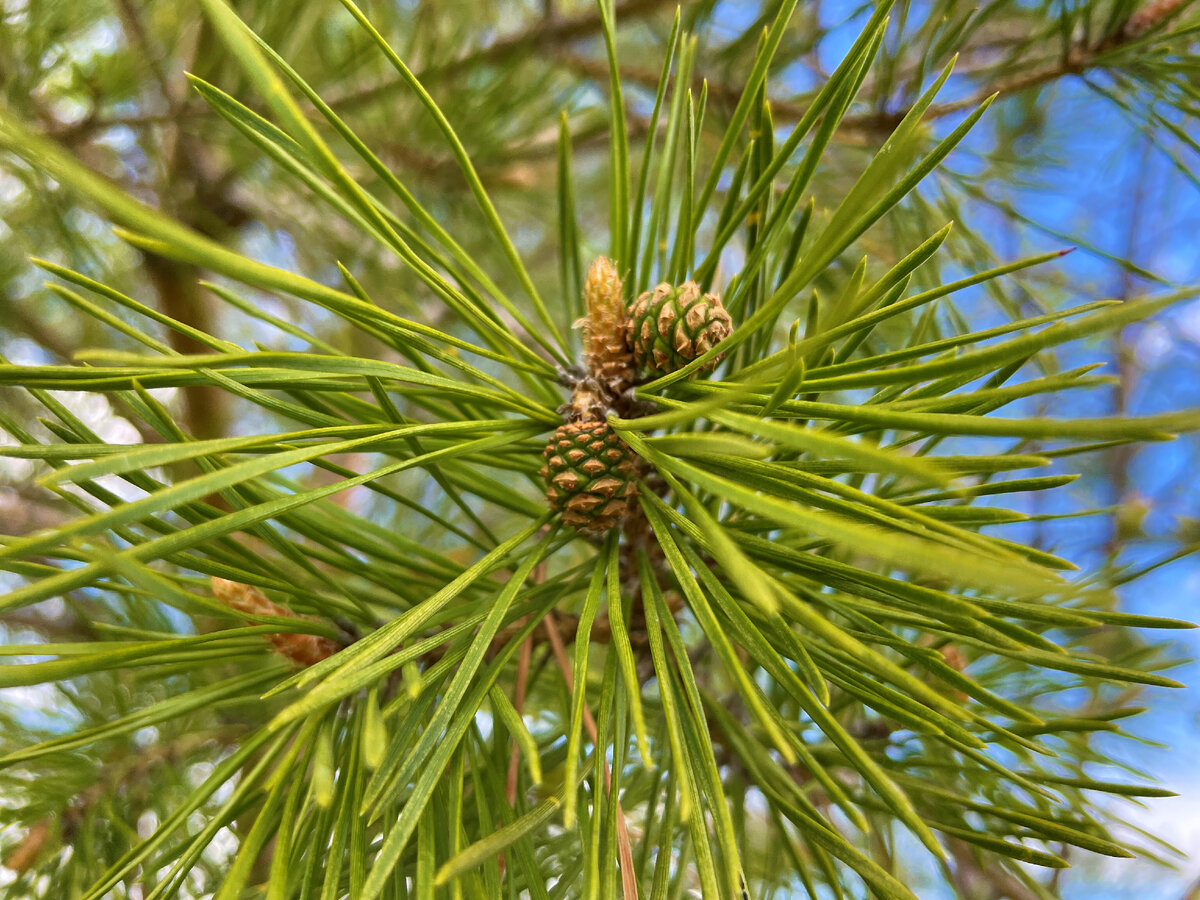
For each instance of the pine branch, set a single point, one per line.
(987, 881)
(1078, 60)
(544, 34)
(790, 491)
(130, 777)
(625, 851)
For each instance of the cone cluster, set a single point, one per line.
(590, 476)
(590, 473)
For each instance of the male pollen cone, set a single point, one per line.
(605, 352)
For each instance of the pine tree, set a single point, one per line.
(408, 587)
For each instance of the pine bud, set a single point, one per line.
(670, 326)
(605, 353)
(302, 649)
(589, 476)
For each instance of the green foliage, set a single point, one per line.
(806, 658)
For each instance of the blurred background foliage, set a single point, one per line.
(1092, 144)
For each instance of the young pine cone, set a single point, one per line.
(670, 326)
(589, 476)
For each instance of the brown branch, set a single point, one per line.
(624, 850)
(545, 34)
(192, 189)
(25, 508)
(181, 297)
(719, 93)
(1150, 17)
(525, 654)
(135, 28)
(75, 132)
(1131, 506)
(522, 683)
(37, 329)
(987, 880)
(1076, 62)
(127, 773)
(26, 853)
(198, 193)
(61, 627)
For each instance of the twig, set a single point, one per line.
(124, 773)
(523, 658)
(522, 684)
(988, 881)
(545, 34)
(1077, 61)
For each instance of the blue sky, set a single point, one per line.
(1099, 163)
